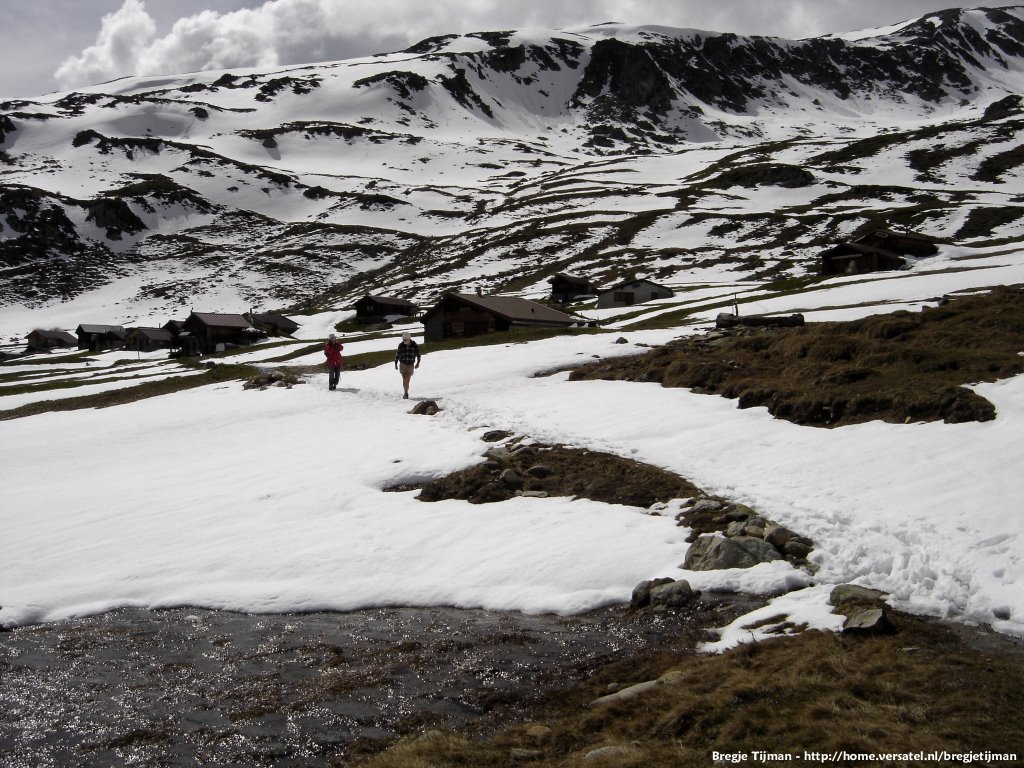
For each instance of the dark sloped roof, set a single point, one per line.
(388, 300)
(268, 318)
(55, 335)
(116, 330)
(853, 249)
(217, 320)
(154, 334)
(514, 309)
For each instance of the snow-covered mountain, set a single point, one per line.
(492, 160)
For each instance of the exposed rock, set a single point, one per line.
(844, 593)
(641, 596)
(674, 595)
(512, 479)
(798, 548)
(868, 620)
(539, 471)
(712, 553)
(495, 435)
(706, 505)
(425, 408)
(612, 752)
(778, 536)
(266, 379)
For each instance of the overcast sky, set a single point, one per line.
(48, 45)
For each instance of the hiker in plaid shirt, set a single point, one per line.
(407, 359)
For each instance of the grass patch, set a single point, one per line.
(898, 367)
(114, 397)
(927, 688)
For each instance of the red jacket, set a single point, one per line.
(333, 351)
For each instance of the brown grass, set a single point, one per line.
(899, 367)
(927, 688)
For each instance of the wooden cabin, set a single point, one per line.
(631, 292)
(148, 339)
(564, 288)
(208, 332)
(876, 251)
(272, 324)
(376, 309)
(100, 338)
(463, 315)
(41, 340)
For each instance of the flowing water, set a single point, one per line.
(189, 687)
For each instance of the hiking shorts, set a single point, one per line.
(406, 369)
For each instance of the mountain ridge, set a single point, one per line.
(497, 158)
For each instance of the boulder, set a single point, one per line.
(539, 471)
(778, 536)
(712, 553)
(641, 596)
(612, 753)
(425, 408)
(845, 593)
(705, 505)
(674, 595)
(494, 435)
(497, 453)
(511, 479)
(867, 620)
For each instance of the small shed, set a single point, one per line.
(565, 287)
(273, 324)
(209, 332)
(99, 338)
(144, 339)
(463, 315)
(374, 309)
(876, 251)
(41, 340)
(631, 292)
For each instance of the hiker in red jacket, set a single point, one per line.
(332, 350)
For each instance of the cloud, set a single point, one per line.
(123, 37)
(280, 32)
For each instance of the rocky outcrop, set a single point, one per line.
(732, 535)
(712, 553)
(864, 608)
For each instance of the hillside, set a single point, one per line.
(222, 561)
(495, 159)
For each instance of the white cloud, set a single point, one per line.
(123, 37)
(279, 32)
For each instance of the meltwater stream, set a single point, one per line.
(188, 687)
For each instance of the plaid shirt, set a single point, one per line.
(407, 353)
